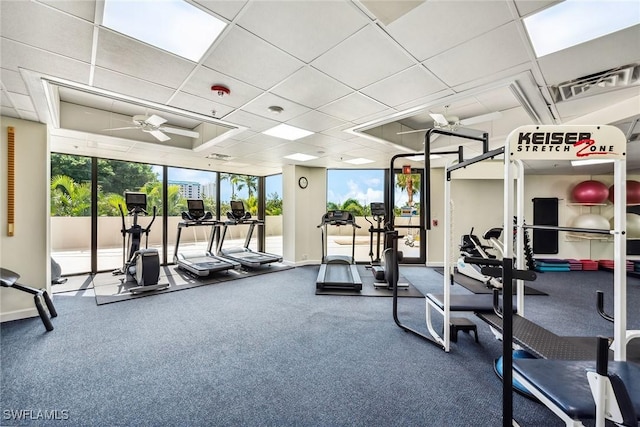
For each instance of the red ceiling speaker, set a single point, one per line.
(221, 90)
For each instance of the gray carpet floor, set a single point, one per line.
(265, 350)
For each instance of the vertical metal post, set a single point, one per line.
(507, 292)
(94, 215)
(620, 260)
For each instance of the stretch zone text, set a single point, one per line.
(561, 141)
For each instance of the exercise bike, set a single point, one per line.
(471, 246)
(142, 264)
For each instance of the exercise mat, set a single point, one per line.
(480, 288)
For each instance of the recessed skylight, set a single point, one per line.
(573, 22)
(300, 157)
(287, 132)
(173, 25)
(359, 161)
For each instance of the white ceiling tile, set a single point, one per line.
(200, 83)
(425, 100)
(199, 105)
(498, 99)
(436, 26)
(311, 88)
(387, 112)
(31, 23)
(80, 8)
(128, 56)
(251, 121)
(526, 7)
(12, 80)
(352, 107)
(16, 55)
(20, 101)
(620, 48)
(407, 85)
(225, 8)
(315, 121)
(251, 59)
(339, 131)
(130, 86)
(363, 58)
(303, 29)
(490, 53)
(261, 104)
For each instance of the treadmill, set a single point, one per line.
(200, 264)
(244, 255)
(338, 271)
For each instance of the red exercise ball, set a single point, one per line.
(589, 192)
(633, 193)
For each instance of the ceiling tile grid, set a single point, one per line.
(363, 58)
(333, 66)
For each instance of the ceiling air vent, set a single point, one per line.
(620, 77)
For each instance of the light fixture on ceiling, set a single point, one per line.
(187, 30)
(221, 90)
(359, 161)
(300, 157)
(588, 162)
(287, 132)
(274, 109)
(553, 29)
(420, 158)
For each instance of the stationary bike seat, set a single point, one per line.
(8, 277)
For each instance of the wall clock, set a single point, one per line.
(303, 182)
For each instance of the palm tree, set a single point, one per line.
(408, 182)
(234, 180)
(69, 198)
(108, 204)
(251, 182)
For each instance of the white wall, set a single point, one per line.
(477, 195)
(302, 210)
(27, 252)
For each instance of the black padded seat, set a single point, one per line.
(477, 302)
(565, 383)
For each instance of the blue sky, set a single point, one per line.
(366, 186)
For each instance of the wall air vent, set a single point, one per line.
(594, 84)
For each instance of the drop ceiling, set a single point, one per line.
(354, 72)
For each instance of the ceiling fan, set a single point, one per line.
(153, 125)
(453, 123)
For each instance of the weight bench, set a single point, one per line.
(9, 279)
(571, 388)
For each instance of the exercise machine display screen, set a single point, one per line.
(135, 201)
(196, 208)
(237, 208)
(377, 209)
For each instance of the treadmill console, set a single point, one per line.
(237, 211)
(338, 218)
(196, 211)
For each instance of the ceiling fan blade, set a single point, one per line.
(481, 118)
(183, 132)
(440, 119)
(155, 120)
(159, 135)
(126, 127)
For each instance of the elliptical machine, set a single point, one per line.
(378, 212)
(472, 247)
(142, 264)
